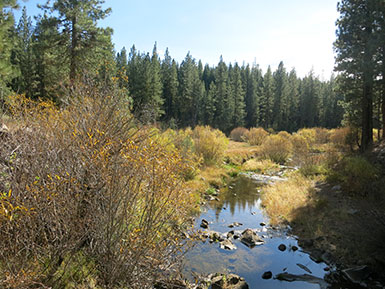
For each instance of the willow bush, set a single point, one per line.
(87, 197)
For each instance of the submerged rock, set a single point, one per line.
(304, 278)
(230, 281)
(235, 224)
(267, 275)
(303, 267)
(227, 245)
(250, 238)
(282, 247)
(204, 224)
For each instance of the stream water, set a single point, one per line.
(241, 203)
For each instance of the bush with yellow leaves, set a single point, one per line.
(239, 134)
(256, 136)
(210, 144)
(276, 148)
(86, 195)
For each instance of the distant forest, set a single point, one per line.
(64, 45)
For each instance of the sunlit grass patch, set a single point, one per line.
(282, 199)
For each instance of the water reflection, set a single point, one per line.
(241, 203)
(242, 195)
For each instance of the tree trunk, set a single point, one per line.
(74, 44)
(367, 113)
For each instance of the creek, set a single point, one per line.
(241, 202)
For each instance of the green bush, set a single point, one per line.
(356, 174)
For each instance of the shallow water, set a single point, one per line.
(241, 203)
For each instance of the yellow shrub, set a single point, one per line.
(239, 134)
(309, 134)
(322, 135)
(341, 137)
(183, 142)
(209, 143)
(284, 134)
(256, 136)
(86, 180)
(276, 148)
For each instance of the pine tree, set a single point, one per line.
(238, 97)
(267, 98)
(223, 115)
(356, 48)
(77, 21)
(169, 73)
(250, 97)
(7, 70)
(293, 102)
(24, 57)
(280, 107)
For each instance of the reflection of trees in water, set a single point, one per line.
(243, 195)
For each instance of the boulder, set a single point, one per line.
(250, 238)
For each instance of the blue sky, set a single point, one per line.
(298, 32)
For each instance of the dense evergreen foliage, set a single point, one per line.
(44, 58)
(360, 48)
(227, 95)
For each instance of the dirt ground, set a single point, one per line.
(349, 227)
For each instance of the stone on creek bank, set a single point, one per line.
(250, 238)
(230, 281)
(304, 278)
(357, 275)
(264, 179)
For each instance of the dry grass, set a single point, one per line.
(281, 200)
(239, 152)
(260, 166)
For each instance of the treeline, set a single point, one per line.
(227, 95)
(66, 44)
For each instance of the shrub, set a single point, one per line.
(309, 134)
(256, 136)
(209, 143)
(356, 174)
(276, 148)
(183, 142)
(284, 134)
(321, 135)
(86, 194)
(239, 134)
(344, 138)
